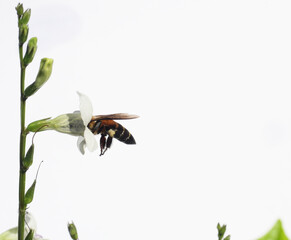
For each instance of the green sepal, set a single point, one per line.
(23, 33)
(28, 160)
(43, 75)
(25, 17)
(38, 126)
(29, 194)
(276, 233)
(19, 9)
(30, 235)
(30, 51)
(73, 231)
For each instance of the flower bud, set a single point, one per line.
(25, 17)
(43, 75)
(221, 231)
(23, 33)
(19, 9)
(73, 231)
(28, 160)
(30, 193)
(30, 51)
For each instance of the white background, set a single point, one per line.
(211, 82)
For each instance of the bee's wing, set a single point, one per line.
(115, 116)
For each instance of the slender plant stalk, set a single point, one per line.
(22, 175)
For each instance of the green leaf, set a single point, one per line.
(276, 233)
(30, 235)
(30, 193)
(28, 160)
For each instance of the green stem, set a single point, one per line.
(22, 175)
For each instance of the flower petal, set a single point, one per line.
(81, 144)
(37, 237)
(30, 222)
(91, 142)
(85, 108)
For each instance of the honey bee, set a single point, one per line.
(109, 129)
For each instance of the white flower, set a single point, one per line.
(30, 223)
(72, 123)
(88, 138)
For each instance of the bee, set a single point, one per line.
(109, 129)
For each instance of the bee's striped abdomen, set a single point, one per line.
(120, 133)
(123, 135)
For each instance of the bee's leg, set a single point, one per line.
(102, 144)
(108, 144)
